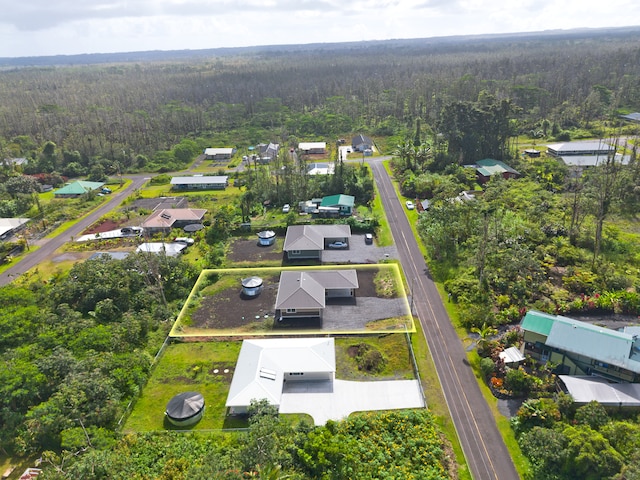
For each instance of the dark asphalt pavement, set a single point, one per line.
(50, 245)
(484, 449)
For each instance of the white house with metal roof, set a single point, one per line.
(580, 348)
(264, 366)
(313, 147)
(9, 226)
(224, 153)
(585, 147)
(200, 182)
(587, 389)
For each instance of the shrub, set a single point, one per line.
(518, 381)
(487, 367)
(592, 414)
(580, 281)
(369, 359)
(162, 179)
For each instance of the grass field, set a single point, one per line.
(188, 367)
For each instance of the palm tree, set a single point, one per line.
(484, 335)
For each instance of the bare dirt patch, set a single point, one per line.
(248, 250)
(104, 225)
(229, 309)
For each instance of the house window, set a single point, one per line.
(296, 373)
(295, 252)
(291, 310)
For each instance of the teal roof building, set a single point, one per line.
(77, 188)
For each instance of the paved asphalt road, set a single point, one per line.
(51, 245)
(484, 449)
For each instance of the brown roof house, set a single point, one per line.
(303, 295)
(166, 219)
(306, 242)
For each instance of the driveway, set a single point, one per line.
(354, 318)
(359, 252)
(337, 399)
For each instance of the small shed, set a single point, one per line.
(511, 356)
(252, 286)
(266, 238)
(185, 409)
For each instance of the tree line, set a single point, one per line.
(138, 113)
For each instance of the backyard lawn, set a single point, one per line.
(188, 367)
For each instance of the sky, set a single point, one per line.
(54, 27)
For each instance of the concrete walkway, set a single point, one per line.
(338, 399)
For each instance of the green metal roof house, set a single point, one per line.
(344, 203)
(77, 189)
(489, 167)
(580, 348)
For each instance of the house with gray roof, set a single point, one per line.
(580, 348)
(360, 143)
(306, 242)
(303, 295)
(634, 117)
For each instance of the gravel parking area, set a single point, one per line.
(338, 318)
(359, 252)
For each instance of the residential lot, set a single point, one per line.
(217, 307)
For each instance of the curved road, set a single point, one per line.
(484, 449)
(51, 245)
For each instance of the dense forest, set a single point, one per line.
(140, 112)
(76, 351)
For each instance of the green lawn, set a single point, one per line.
(383, 234)
(394, 349)
(188, 367)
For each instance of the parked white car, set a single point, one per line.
(184, 240)
(338, 245)
(286, 208)
(410, 205)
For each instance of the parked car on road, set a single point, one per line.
(410, 205)
(337, 245)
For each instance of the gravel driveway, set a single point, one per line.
(337, 318)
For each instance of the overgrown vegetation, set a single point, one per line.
(76, 347)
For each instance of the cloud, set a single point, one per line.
(49, 27)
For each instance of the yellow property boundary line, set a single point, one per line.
(177, 331)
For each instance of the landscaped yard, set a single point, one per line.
(203, 367)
